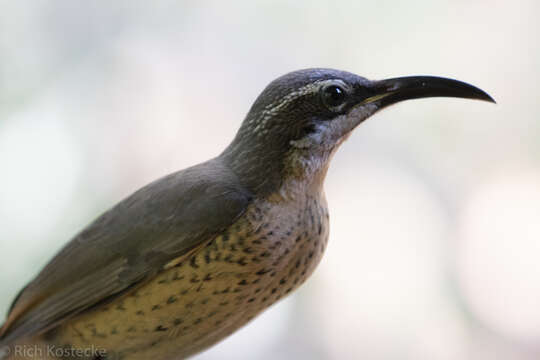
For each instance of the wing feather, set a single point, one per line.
(128, 244)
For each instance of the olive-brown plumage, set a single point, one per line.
(193, 256)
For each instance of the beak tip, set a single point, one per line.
(484, 96)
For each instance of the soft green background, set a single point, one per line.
(435, 204)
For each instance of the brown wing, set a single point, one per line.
(128, 244)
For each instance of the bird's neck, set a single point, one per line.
(304, 173)
(289, 175)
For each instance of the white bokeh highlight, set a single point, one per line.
(498, 256)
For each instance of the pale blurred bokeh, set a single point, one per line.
(434, 250)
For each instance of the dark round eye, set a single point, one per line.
(333, 96)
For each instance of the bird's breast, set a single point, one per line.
(265, 255)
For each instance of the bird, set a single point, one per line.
(193, 256)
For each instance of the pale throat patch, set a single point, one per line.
(311, 154)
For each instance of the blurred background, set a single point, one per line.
(434, 250)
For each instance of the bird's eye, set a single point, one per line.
(333, 96)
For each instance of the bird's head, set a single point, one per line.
(300, 119)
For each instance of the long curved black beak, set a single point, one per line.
(390, 91)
